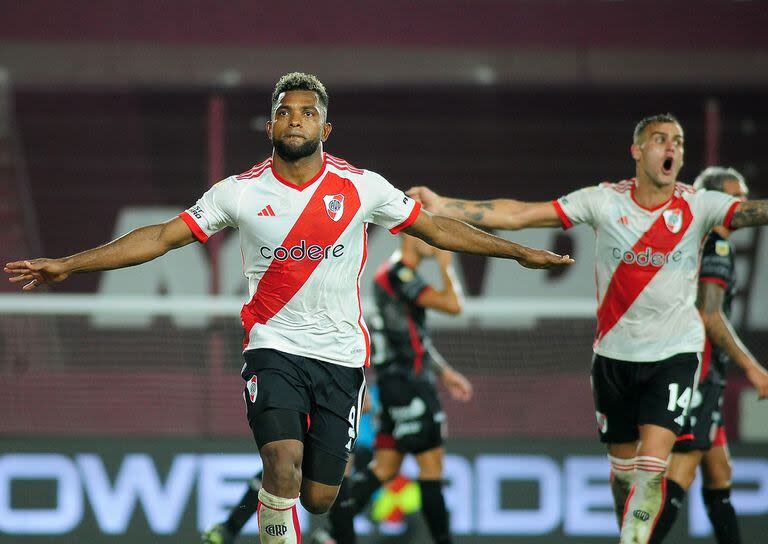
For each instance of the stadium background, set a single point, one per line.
(118, 115)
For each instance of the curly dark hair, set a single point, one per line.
(658, 118)
(299, 81)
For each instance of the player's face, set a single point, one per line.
(659, 153)
(736, 188)
(298, 125)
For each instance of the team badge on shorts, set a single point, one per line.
(602, 422)
(253, 389)
(674, 220)
(334, 205)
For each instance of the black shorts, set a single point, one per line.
(411, 418)
(705, 419)
(629, 394)
(326, 399)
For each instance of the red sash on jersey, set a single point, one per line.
(629, 280)
(283, 279)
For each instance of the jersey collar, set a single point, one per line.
(305, 185)
(660, 206)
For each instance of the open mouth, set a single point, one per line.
(666, 166)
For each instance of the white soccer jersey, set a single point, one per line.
(647, 264)
(304, 249)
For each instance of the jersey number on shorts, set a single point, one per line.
(682, 400)
(351, 431)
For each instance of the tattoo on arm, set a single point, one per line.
(472, 211)
(751, 214)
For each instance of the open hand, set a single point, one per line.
(758, 377)
(457, 385)
(541, 258)
(36, 272)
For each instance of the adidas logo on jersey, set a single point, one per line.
(267, 212)
(301, 251)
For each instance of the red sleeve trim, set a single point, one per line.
(194, 227)
(561, 213)
(426, 288)
(718, 281)
(409, 221)
(729, 215)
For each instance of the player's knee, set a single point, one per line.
(431, 472)
(384, 472)
(282, 463)
(317, 501)
(717, 477)
(682, 474)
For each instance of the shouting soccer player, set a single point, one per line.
(703, 441)
(649, 335)
(302, 217)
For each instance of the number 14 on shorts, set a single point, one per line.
(677, 399)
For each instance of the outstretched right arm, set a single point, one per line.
(136, 247)
(502, 213)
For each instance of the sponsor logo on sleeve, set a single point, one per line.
(722, 248)
(197, 211)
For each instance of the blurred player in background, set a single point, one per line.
(703, 440)
(302, 215)
(649, 335)
(227, 531)
(407, 364)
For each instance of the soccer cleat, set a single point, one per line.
(321, 536)
(218, 534)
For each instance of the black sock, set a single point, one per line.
(722, 515)
(672, 503)
(245, 508)
(354, 495)
(434, 510)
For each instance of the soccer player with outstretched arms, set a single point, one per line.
(302, 216)
(649, 336)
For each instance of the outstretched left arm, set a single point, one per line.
(752, 213)
(454, 235)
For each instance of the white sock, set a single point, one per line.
(622, 478)
(646, 500)
(278, 520)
